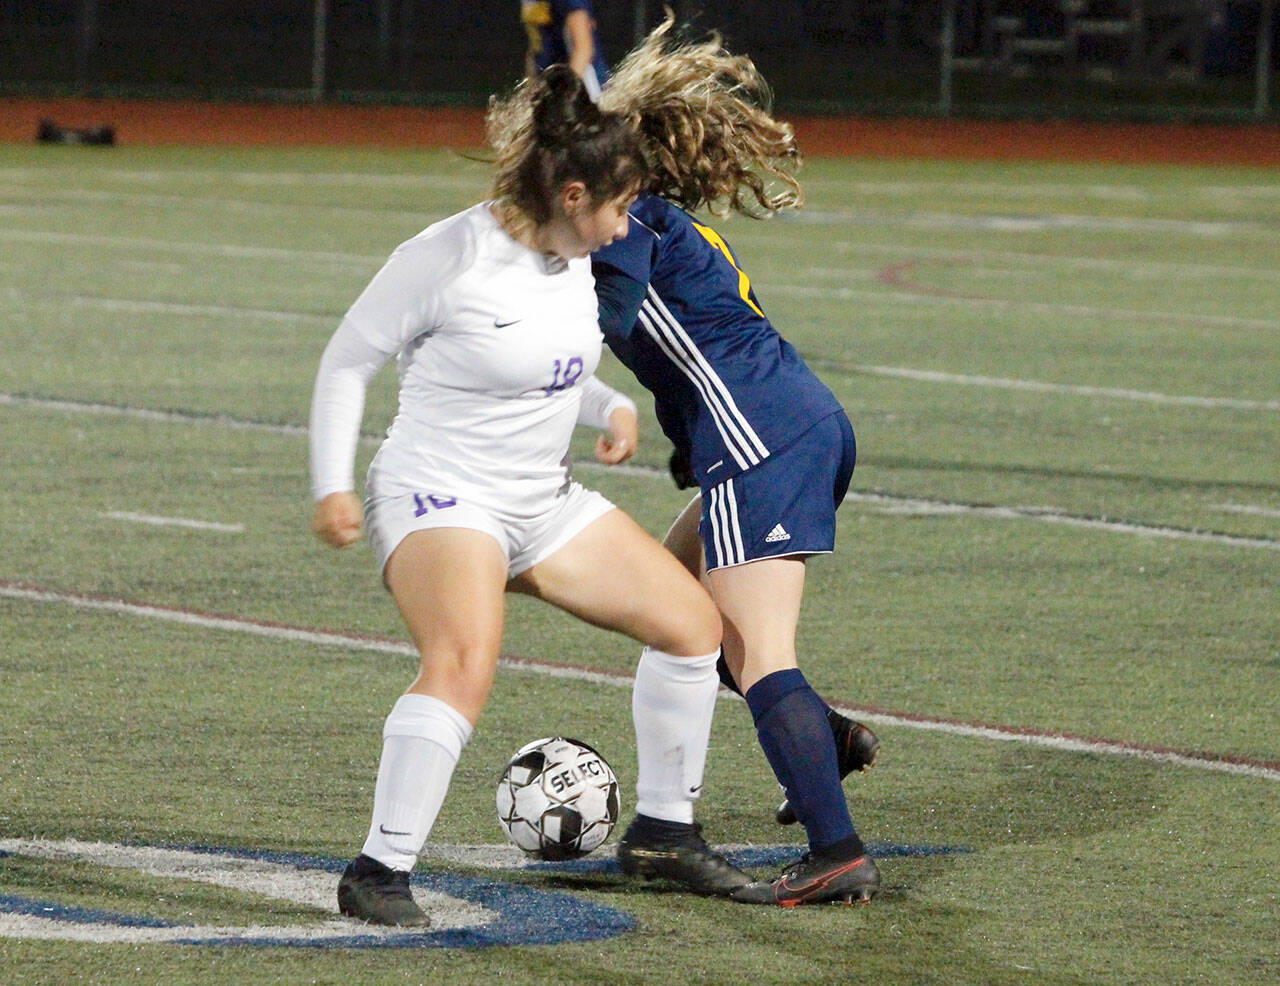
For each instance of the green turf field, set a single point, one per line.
(1056, 594)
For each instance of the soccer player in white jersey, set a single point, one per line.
(492, 318)
(766, 441)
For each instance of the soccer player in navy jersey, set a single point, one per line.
(767, 443)
(564, 31)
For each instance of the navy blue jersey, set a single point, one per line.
(676, 308)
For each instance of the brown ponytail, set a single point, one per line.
(549, 132)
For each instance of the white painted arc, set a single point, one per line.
(281, 881)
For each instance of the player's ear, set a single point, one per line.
(574, 197)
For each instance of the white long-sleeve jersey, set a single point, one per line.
(494, 343)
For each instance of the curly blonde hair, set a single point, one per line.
(705, 125)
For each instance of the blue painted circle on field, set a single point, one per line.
(526, 915)
(12, 904)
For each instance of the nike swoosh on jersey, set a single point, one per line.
(499, 324)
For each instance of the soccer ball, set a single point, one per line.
(557, 798)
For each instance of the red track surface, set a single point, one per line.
(157, 123)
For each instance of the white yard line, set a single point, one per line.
(1038, 261)
(181, 308)
(56, 197)
(1216, 229)
(146, 414)
(155, 521)
(1050, 308)
(1119, 393)
(1037, 191)
(1245, 508)
(887, 295)
(885, 502)
(359, 260)
(892, 504)
(348, 642)
(1017, 191)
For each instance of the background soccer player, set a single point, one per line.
(564, 31)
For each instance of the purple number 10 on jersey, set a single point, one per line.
(564, 375)
(431, 502)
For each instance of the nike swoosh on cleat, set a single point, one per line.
(654, 853)
(804, 891)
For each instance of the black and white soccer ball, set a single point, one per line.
(557, 798)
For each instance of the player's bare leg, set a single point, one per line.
(760, 604)
(683, 541)
(448, 584)
(856, 745)
(613, 574)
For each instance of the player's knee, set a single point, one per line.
(465, 673)
(697, 630)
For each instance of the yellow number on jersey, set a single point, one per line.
(744, 282)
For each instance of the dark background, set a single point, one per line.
(1175, 58)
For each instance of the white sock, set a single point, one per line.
(421, 742)
(672, 704)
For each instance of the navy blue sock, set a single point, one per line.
(791, 722)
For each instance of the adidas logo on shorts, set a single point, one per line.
(779, 533)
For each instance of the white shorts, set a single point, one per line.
(524, 541)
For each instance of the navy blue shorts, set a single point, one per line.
(784, 506)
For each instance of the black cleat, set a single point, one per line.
(856, 749)
(677, 852)
(816, 880)
(372, 892)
